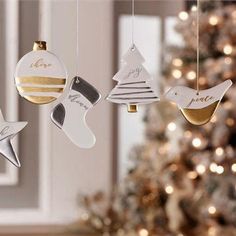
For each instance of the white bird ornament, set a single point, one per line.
(198, 107)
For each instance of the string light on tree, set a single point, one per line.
(196, 142)
(219, 151)
(188, 134)
(183, 15)
(192, 175)
(143, 232)
(194, 8)
(169, 189)
(163, 149)
(228, 60)
(121, 232)
(84, 216)
(191, 75)
(228, 49)
(213, 20)
(202, 80)
(201, 169)
(177, 74)
(233, 167)
(233, 14)
(220, 170)
(212, 231)
(228, 105)
(171, 126)
(212, 210)
(177, 62)
(213, 167)
(173, 167)
(230, 122)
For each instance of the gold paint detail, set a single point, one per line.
(40, 45)
(40, 64)
(41, 80)
(200, 116)
(31, 89)
(40, 100)
(200, 100)
(132, 108)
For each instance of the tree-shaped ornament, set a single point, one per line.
(133, 86)
(198, 106)
(40, 75)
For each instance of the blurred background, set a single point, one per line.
(150, 173)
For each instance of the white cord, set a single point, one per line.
(40, 21)
(77, 37)
(133, 18)
(198, 45)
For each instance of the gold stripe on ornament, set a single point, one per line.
(40, 99)
(34, 89)
(200, 116)
(41, 80)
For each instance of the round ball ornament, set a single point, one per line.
(40, 75)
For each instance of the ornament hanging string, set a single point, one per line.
(77, 37)
(198, 45)
(41, 22)
(133, 18)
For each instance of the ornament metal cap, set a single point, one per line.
(132, 108)
(40, 45)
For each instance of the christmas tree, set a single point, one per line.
(186, 185)
(133, 82)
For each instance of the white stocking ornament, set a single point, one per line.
(70, 114)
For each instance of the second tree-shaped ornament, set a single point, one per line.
(133, 86)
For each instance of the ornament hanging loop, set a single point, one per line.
(132, 47)
(40, 45)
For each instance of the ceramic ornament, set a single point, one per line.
(7, 132)
(40, 75)
(198, 107)
(70, 114)
(133, 86)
